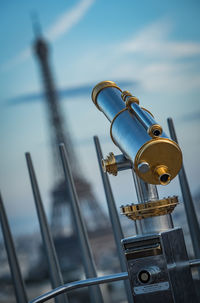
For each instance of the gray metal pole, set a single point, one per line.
(188, 201)
(145, 192)
(53, 265)
(20, 293)
(88, 261)
(148, 192)
(116, 226)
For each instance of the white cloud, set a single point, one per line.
(154, 40)
(69, 19)
(61, 26)
(150, 57)
(158, 61)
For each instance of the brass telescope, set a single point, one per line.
(155, 158)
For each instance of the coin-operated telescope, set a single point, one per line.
(157, 261)
(156, 159)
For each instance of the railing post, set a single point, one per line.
(20, 293)
(53, 265)
(188, 201)
(116, 226)
(88, 261)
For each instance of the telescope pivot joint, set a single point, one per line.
(112, 164)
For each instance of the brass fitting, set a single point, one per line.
(128, 98)
(125, 94)
(150, 208)
(101, 85)
(154, 130)
(162, 174)
(109, 164)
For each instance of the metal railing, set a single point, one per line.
(59, 288)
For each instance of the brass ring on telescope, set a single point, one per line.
(131, 100)
(128, 98)
(146, 110)
(150, 208)
(121, 111)
(98, 88)
(125, 94)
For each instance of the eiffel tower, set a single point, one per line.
(61, 220)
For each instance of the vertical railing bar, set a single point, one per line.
(116, 226)
(20, 293)
(188, 201)
(88, 261)
(54, 268)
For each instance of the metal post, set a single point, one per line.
(148, 192)
(88, 261)
(116, 226)
(188, 201)
(145, 192)
(53, 265)
(20, 293)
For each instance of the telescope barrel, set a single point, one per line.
(147, 120)
(156, 159)
(109, 99)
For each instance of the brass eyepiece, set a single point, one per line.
(162, 174)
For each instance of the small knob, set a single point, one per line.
(109, 164)
(143, 167)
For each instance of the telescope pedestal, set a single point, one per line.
(157, 261)
(158, 268)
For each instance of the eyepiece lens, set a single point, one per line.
(165, 178)
(156, 132)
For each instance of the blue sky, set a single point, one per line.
(153, 44)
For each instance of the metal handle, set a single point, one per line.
(79, 284)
